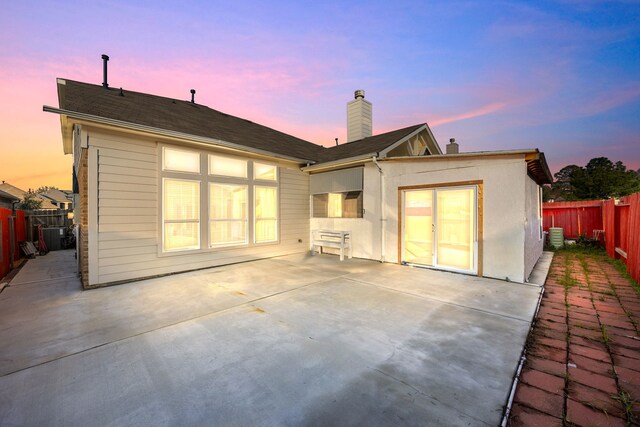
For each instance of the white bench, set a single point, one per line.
(332, 239)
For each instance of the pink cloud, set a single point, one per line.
(478, 112)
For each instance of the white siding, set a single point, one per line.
(533, 242)
(128, 209)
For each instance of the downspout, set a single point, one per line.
(383, 220)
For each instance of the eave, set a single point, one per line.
(67, 116)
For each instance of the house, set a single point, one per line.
(19, 194)
(7, 200)
(58, 198)
(167, 185)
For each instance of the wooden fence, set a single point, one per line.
(622, 232)
(576, 218)
(13, 229)
(619, 220)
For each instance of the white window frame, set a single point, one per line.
(162, 159)
(277, 218)
(245, 220)
(222, 156)
(261, 180)
(175, 221)
(205, 178)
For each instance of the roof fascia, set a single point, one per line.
(383, 153)
(167, 133)
(433, 139)
(339, 164)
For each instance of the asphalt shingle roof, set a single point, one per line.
(200, 120)
(370, 145)
(179, 116)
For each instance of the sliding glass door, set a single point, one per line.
(418, 227)
(440, 228)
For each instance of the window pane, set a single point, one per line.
(181, 200)
(334, 207)
(266, 230)
(352, 205)
(266, 211)
(180, 160)
(181, 236)
(455, 228)
(266, 172)
(227, 232)
(266, 202)
(227, 166)
(227, 201)
(228, 214)
(320, 205)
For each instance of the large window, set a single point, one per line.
(181, 204)
(238, 199)
(266, 214)
(338, 205)
(227, 214)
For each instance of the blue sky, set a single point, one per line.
(561, 76)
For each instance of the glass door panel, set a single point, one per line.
(418, 227)
(455, 228)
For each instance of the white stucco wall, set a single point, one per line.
(533, 242)
(504, 184)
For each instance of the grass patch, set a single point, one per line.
(627, 404)
(567, 280)
(621, 267)
(605, 336)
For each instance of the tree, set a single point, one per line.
(599, 179)
(564, 187)
(45, 188)
(30, 201)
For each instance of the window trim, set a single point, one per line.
(261, 180)
(215, 175)
(173, 221)
(212, 245)
(277, 218)
(205, 179)
(162, 157)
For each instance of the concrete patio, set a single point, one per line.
(294, 340)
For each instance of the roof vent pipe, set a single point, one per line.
(336, 141)
(193, 96)
(452, 147)
(105, 59)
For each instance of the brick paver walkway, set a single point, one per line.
(583, 355)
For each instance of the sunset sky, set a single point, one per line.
(561, 76)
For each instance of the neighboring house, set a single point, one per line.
(7, 200)
(167, 185)
(19, 194)
(58, 198)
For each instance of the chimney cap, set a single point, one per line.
(452, 140)
(105, 56)
(359, 94)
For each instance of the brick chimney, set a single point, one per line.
(359, 113)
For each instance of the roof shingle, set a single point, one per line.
(199, 120)
(180, 116)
